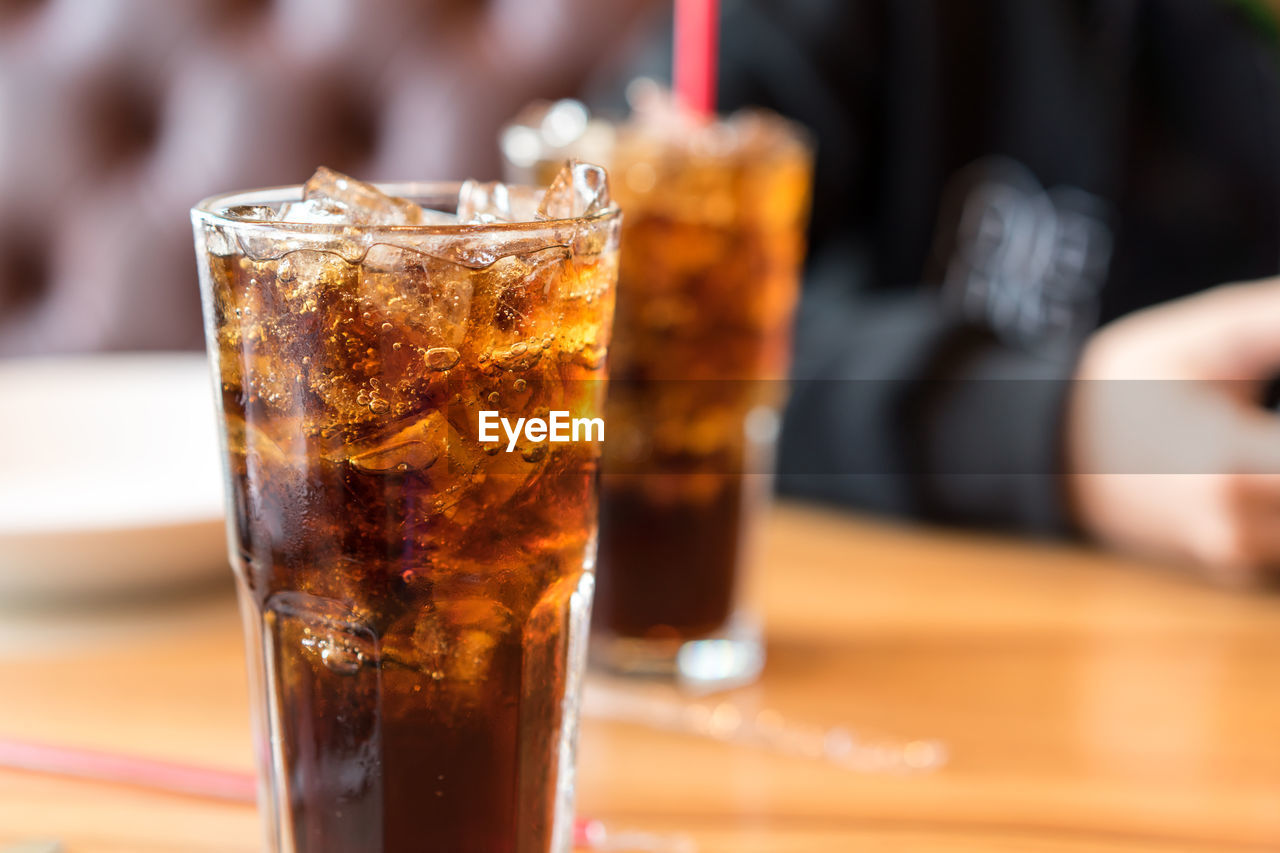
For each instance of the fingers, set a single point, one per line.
(1254, 441)
(1234, 329)
(1186, 427)
(1239, 544)
(1226, 333)
(1241, 548)
(1184, 463)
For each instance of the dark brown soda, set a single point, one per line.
(672, 567)
(713, 239)
(414, 597)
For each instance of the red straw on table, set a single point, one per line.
(213, 784)
(205, 782)
(697, 33)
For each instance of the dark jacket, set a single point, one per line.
(996, 179)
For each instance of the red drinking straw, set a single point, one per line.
(209, 783)
(131, 770)
(696, 49)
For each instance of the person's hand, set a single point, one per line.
(1168, 450)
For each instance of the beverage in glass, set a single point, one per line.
(415, 594)
(716, 212)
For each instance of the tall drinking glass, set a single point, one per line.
(415, 593)
(716, 213)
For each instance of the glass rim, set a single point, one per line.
(792, 136)
(789, 132)
(213, 209)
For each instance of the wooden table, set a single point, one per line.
(1088, 704)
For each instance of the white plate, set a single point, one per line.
(109, 475)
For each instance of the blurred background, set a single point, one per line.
(117, 115)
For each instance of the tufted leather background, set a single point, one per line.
(117, 115)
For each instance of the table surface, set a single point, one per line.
(1088, 703)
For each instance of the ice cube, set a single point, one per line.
(316, 211)
(389, 330)
(363, 204)
(413, 447)
(480, 203)
(514, 301)
(483, 203)
(309, 279)
(328, 633)
(457, 638)
(253, 211)
(579, 189)
(429, 295)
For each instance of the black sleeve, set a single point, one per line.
(896, 405)
(900, 409)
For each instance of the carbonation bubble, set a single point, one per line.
(339, 658)
(442, 358)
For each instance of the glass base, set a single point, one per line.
(730, 657)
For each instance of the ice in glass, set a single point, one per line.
(716, 213)
(415, 598)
